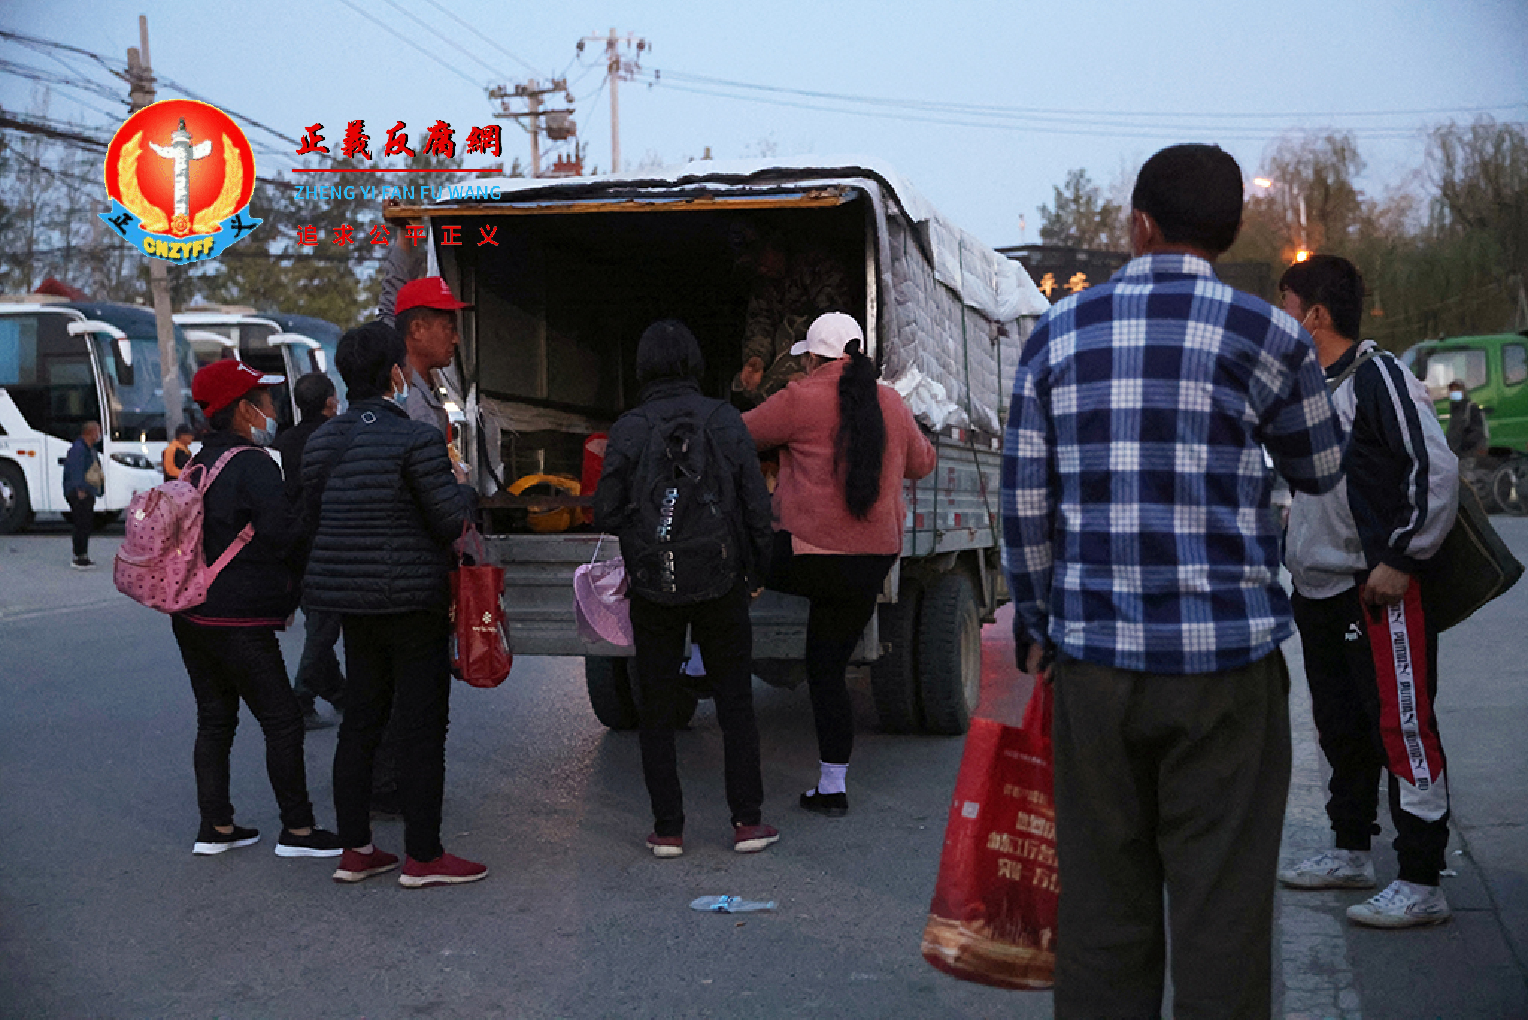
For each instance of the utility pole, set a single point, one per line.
(140, 75)
(558, 125)
(617, 68)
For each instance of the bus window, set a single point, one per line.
(137, 397)
(47, 373)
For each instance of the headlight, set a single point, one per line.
(133, 460)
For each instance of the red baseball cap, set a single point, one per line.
(426, 292)
(223, 382)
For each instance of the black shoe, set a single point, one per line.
(833, 805)
(210, 841)
(311, 720)
(317, 843)
(83, 563)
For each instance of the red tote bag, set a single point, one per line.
(993, 917)
(480, 652)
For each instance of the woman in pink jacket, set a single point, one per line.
(846, 443)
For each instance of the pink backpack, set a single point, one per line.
(160, 562)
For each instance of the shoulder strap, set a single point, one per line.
(1347, 373)
(210, 476)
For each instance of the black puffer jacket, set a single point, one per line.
(387, 517)
(258, 588)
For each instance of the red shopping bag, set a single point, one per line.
(993, 917)
(480, 652)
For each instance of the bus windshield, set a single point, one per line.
(135, 391)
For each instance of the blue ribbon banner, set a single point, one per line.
(180, 250)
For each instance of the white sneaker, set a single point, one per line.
(1402, 905)
(1332, 869)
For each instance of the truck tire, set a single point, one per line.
(1509, 486)
(15, 501)
(894, 675)
(610, 693)
(949, 654)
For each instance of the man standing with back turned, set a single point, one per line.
(1143, 555)
(1371, 652)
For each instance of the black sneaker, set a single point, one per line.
(210, 841)
(317, 843)
(83, 563)
(834, 805)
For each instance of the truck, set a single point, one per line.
(1494, 369)
(564, 275)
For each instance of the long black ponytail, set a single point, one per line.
(860, 445)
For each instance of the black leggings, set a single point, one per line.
(843, 590)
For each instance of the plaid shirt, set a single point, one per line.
(1137, 531)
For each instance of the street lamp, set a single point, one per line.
(1302, 250)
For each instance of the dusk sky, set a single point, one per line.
(1094, 85)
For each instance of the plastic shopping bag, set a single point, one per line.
(993, 916)
(480, 652)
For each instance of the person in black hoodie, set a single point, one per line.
(669, 367)
(318, 671)
(387, 506)
(228, 643)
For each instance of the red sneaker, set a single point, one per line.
(665, 846)
(357, 867)
(447, 869)
(750, 839)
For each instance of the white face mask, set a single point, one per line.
(1455, 396)
(265, 436)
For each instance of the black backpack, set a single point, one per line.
(682, 546)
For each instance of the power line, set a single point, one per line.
(1095, 129)
(496, 72)
(473, 29)
(1020, 111)
(399, 35)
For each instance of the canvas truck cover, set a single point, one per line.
(951, 313)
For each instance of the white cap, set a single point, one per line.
(829, 334)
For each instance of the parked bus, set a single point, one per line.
(62, 364)
(265, 343)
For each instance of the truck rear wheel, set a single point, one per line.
(15, 502)
(894, 675)
(1509, 486)
(949, 655)
(610, 691)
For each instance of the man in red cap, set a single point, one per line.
(425, 316)
(228, 643)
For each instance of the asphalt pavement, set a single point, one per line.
(106, 913)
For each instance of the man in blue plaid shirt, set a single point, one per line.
(1142, 555)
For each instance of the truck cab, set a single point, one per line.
(1494, 368)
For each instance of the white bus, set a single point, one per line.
(261, 342)
(62, 364)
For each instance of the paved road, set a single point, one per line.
(105, 912)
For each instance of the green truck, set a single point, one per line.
(1494, 368)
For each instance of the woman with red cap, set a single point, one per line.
(846, 442)
(228, 643)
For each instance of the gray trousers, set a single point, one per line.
(1175, 783)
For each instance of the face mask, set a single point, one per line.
(401, 397)
(265, 436)
(1456, 396)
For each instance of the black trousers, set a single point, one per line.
(318, 671)
(398, 677)
(723, 631)
(843, 591)
(82, 520)
(226, 664)
(1174, 782)
(1373, 710)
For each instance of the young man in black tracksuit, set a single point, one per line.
(1371, 653)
